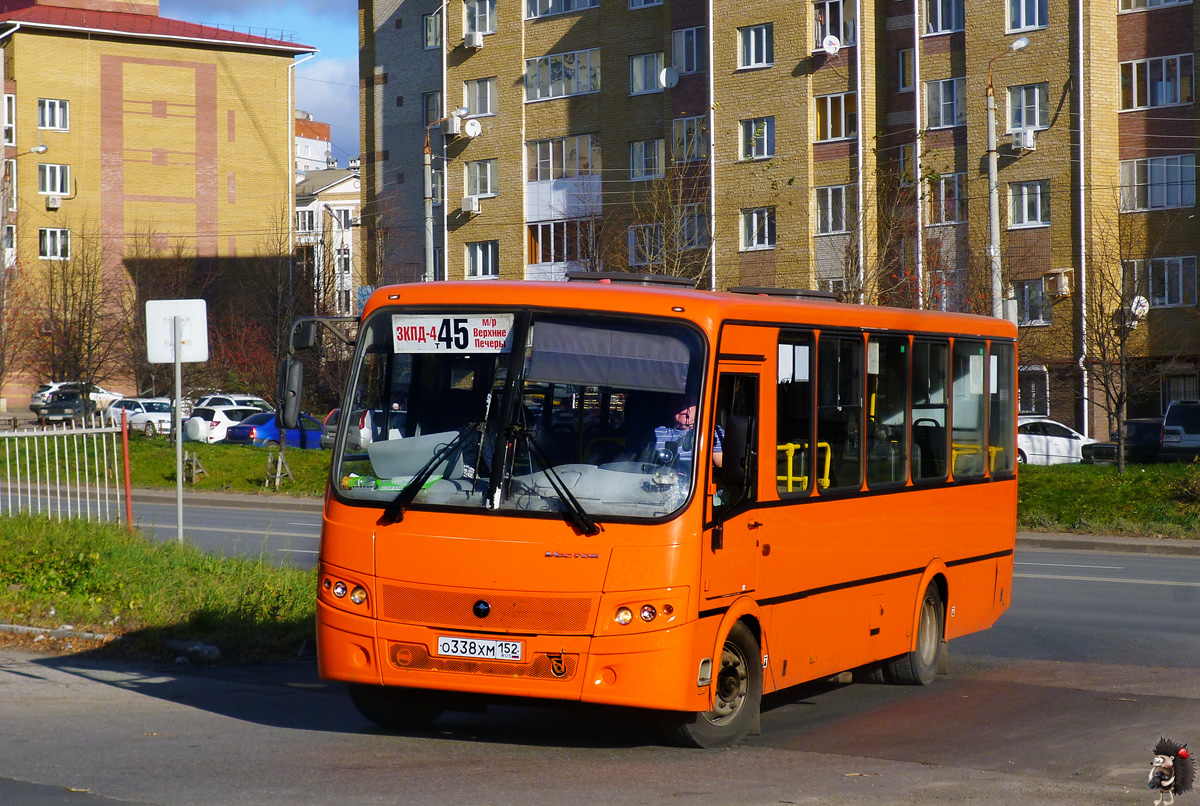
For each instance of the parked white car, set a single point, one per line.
(101, 398)
(210, 423)
(150, 415)
(1042, 441)
(223, 399)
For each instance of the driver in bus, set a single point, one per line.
(677, 439)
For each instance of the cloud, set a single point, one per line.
(328, 88)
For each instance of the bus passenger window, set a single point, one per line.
(840, 409)
(929, 410)
(1001, 451)
(794, 453)
(967, 454)
(887, 409)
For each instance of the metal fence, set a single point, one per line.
(65, 471)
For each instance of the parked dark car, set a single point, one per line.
(1141, 443)
(261, 430)
(65, 407)
(1181, 430)
(329, 431)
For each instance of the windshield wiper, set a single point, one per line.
(576, 514)
(394, 511)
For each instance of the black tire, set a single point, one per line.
(1021, 458)
(737, 681)
(919, 667)
(394, 707)
(149, 430)
(270, 443)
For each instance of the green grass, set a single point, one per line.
(229, 468)
(100, 578)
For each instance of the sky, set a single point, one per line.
(327, 83)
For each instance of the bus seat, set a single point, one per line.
(929, 444)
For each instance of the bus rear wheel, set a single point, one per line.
(394, 707)
(919, 667)
(738, 695)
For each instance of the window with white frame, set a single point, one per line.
(758, 138)
(644, 73)
(480, 96)
(11, 166)
(689, 50)
(756, 45)
(1143, 5)
(1029, 106)
(54, 113)
(834, 18)
(645, 244)
(1170, 281)
(482, 259)
(944, 16)
(831, 209)
(837, 116)
(1024, 15)
(562, 74)
(305, 220)
(481, 178)
(1033, 307)
(10, 236)
(545, 8)
(10, 120)
(1158, 183)
(946, 102)
(646, 159)
(1033, 390)
(54, 244)
(342, 260)
(907, 164)
(432, 103)
(758, 228)
(344, 216)
(431, 30)
(437, 177)
(568, 241)
(644, 3)
(904, 70)
(53, 179)
(948, 198)
(690, 138)
(562, 157)
(1029, 203)
(480, 16)
(834, 285)
(693, 226)
(1156, 82)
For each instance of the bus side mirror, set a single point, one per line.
(291, 382)
(737, 462)
(304, 335)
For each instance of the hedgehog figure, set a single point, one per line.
(1173, 771)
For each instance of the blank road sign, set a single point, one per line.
(160, 330)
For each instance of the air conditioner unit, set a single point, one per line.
(452, 126)
(1023, 140)
(470, 205)
(473, 39)
(53, 202)
(1058, 283)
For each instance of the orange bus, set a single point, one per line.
(641, 495)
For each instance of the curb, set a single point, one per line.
(1162, 546)
(194, 499)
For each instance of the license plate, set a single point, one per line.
(482, 648)
(1172, 438)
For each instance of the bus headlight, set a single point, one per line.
(624, 615)
(358, 595)
(339, 589)
(648, 613)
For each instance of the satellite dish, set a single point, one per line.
(1139, 306)
(668, 77)
(831, 45)
(472, 128)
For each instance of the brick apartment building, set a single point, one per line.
(825, 144)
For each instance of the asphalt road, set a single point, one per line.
(1060, 703)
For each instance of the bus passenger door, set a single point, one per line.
(731, 547)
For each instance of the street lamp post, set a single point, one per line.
(994, 185)
(429, 268)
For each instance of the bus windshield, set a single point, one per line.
(526, 413)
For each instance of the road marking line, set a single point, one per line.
(1112, 579)
(1070, 565)
(299, 551)
(257, 532)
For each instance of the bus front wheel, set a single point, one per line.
(393, 707)
(919, 667)
(738, 694)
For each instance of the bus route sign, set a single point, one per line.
(450, 333)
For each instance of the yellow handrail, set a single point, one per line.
(790, 449)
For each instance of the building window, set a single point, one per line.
(483, 259)
(1029, 203)
(693, 226)
(834, 18)
(644, 73)
(1158, 183)
(432, 103)
(904, 70)
(756, 46)
(481, 178)
(645, 244)
(481, 16)
(431, 26)
(1026, 14)
(560, 241)
(54, 180)
(10, 236)
(10, 120)
(305, 220)
(562, 74)
(562, 158)
(837, 116)
(946, 102)
(689, 50)
(1032, 306)
(342, 260)
(907, 164)
(944, 16)
(1033, 391)
(1170, 281)
(690, 139)
(545, 8)
(480, 97)
(646, 158)
(758, 228)
(644, 3)
(1156, 82)
(11, 182)
(831, 209)
(1142, 5)
(948, 199)
(54, 114)
(437, 178)
(1029, 107)
(758, 138)
(54, 244)
(343, 216)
